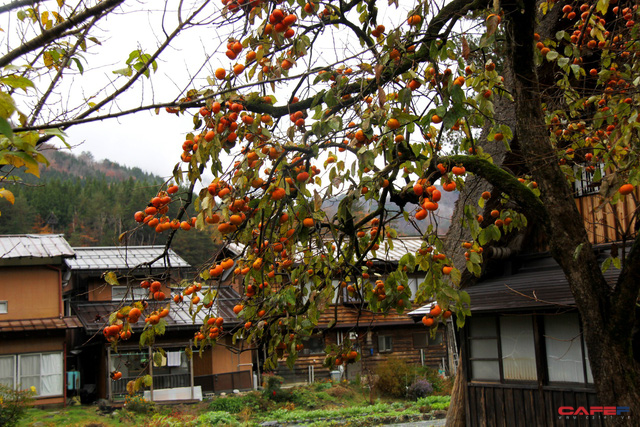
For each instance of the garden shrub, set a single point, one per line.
(419, 388)
(139, 405)
(394, 376)
(232, 405)
(272, 388)
(217, 418)
(14, 404)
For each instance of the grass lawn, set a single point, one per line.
(320, 404)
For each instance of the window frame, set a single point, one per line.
(384, 348)
(14, 370)
(131, 296)
(540, 353)
(17, 376)
(5, 304)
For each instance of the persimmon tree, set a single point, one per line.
(331, 101)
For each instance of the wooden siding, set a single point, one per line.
(402, 348)
(601, 222)
(350, 316)
(31, 292)
(512, 405)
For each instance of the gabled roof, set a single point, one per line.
(123, 258)
(34, 246)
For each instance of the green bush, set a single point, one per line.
(14, 404)
(217, 418)
(139, 405)
(394, 377)
(435, 402)
(232, 405)
(273, 389)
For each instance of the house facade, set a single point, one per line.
(221, 368)
(523, 356)
(34, 328)
(376, 336)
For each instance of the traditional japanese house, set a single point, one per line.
(33, 325)
(175, 374)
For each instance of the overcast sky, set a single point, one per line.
(146, 140)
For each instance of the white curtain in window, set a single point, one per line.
(51, 377)
(564, 348)
(7, 370)
(518, 348)
(29, 371)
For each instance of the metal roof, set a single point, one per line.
(34, 246)
(123, 258)
(40, 324)
(94, 315)
(401, 247)
(534, 282)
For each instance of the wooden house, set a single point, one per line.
(222, 368)
(33, 325)
(522, 351)
(376, 336)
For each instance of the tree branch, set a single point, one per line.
(55, 32)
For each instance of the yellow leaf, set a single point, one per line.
(7, 195)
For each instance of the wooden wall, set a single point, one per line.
(32, 292)
(513, 405)
(402, 348)
(607, 224)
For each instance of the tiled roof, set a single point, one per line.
(34, 246)
(39, 324)
(94, 315)
(123, 258)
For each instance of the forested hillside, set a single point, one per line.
(92, 203)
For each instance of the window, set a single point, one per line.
(420, 340)
(587, 182)
(43, 371)
(136, 293)
(504, 348)
(385, 343)
(483, 349)
(423, 339)
(313, 345)
(4, 307)
(7, 370)
(518, 348)
(566, 359)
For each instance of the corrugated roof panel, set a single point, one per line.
(123, 258)
(34, 246)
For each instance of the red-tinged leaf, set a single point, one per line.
(465, 49)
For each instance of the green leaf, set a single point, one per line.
(17, 82)
(124, 71)
(5, 129)
(157, 359)
(148, 380)
(576, 253)
(7, 106)
(552, 55)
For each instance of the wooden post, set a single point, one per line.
(191, 370)
(151, 373)
(109, 396)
